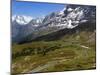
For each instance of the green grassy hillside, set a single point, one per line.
(74, 52)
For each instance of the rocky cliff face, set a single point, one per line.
(72, 17)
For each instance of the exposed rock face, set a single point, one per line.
(72, 17)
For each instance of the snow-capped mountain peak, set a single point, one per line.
(69, 17)
(62, 11)
(22, 20)
(69, 9)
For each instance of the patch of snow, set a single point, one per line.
(69, 9)
(62, 11)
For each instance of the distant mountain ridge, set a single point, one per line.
(69, 18)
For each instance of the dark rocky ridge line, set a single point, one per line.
(56, 25)
(87, 27)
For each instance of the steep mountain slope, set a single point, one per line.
(86, 27)
(22, 26)
(70, 18)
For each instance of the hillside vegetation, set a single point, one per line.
(74, 52)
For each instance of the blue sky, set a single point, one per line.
(34, 9)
